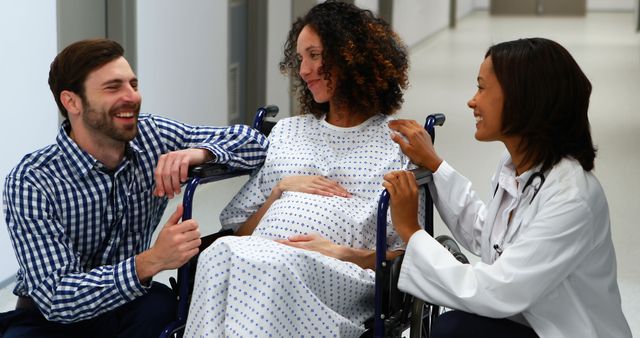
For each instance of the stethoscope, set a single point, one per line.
(540, 176)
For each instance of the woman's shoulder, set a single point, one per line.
(293, 125)
(570, 180)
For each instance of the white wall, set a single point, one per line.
(415, 20)
(464, 7)
(182, 59)
(592, 5)
(481, 4)
(611, 5)
(29, 118)
(371, 5)
(279, 23)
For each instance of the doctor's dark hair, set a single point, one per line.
(370, 60)
(546, 99)
(72, 65)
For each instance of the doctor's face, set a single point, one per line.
(309, 50)
(487, 104)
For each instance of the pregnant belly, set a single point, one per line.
(335, 218)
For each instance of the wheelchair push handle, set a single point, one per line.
(432, 121)
(262, 113)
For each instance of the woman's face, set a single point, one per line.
(487, 104)
(309, 50)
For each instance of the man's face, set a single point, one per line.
(111, 102)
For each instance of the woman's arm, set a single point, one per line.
(364, 258)
(251, 223)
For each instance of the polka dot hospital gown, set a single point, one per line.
(254, 287)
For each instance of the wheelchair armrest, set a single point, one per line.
(209, 172)
(423, 176)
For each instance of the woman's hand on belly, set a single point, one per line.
(317, 185)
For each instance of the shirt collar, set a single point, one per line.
(82, 161)
(507, 178)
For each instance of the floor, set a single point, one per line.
(443, 73)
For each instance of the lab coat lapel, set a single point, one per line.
(492, 211)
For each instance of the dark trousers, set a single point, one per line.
(459, 324)
(146, 316)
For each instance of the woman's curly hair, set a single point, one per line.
(370, 59)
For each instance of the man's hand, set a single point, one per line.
(403, 189)
(175, 245)
(173, 169)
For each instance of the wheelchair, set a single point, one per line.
(395, 312)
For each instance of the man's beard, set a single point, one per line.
(101, 122)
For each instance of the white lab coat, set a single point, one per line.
(558, 265)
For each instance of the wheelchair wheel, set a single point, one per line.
(422, 317)
(451, 245)
(417, 326)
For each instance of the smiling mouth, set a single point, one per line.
(478, 118)
(125, 114)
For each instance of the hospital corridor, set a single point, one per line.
(442, 79)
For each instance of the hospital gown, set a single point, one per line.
(254, 287)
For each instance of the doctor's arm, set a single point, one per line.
(461, 210)
(541, 258)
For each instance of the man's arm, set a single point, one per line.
(53, 273)
(237, 146)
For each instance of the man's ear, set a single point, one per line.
(71, 101)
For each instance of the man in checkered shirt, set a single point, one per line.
(81, 212)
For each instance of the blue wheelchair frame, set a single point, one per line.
(383, 316)
(385, 323)
(201, 175)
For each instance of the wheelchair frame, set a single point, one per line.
(388, 320)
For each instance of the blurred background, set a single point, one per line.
(215, 62)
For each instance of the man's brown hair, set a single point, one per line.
(72, 65)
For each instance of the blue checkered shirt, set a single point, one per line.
(76, 226)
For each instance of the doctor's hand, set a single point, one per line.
(173, 168)
(403, 189)
(311, 185)
(416, 143)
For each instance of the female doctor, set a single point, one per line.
(548, 266)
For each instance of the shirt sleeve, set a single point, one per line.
(459, 206)
(543, 255)
(256, 190)
(52, 269)
(244, 204)
(239, 146)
